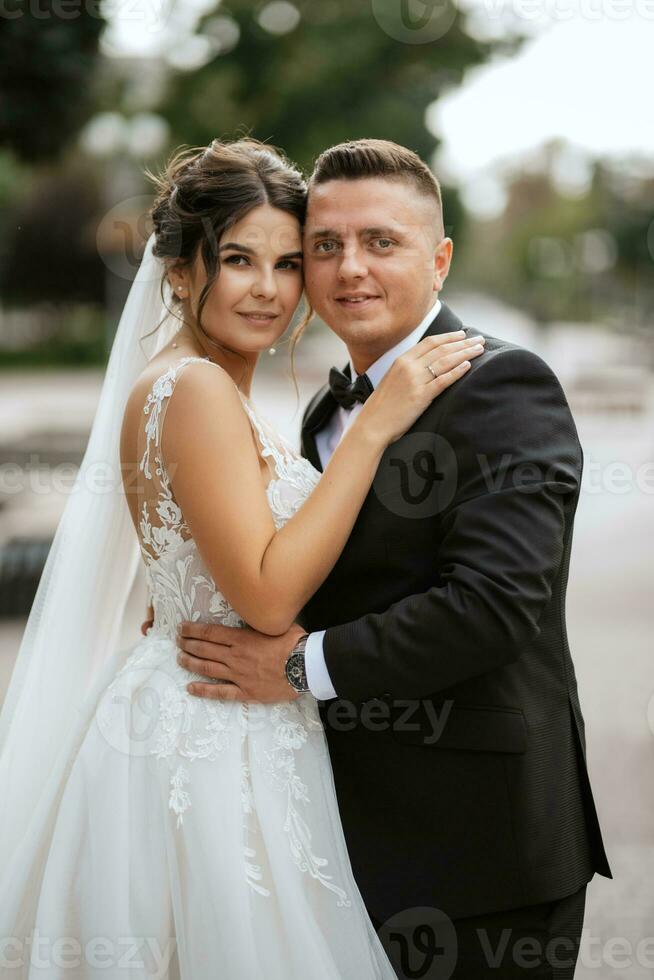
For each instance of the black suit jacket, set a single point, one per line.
(457, 740)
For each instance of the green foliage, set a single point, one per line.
(49, 250)
(78, 337)
(48, 50)
(14, 179)
(337, 76)
(532, 256)
(627, 208)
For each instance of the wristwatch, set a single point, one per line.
(296, 674)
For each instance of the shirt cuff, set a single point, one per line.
(318, 678)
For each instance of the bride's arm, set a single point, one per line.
(209, 454)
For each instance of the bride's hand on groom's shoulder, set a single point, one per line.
(415, 379)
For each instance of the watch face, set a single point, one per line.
(296, 673)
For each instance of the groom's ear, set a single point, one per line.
(442, 262)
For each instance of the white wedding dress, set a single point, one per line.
(197, 839)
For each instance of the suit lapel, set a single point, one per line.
(324, 404)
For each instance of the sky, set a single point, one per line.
(587, 82)
(584, 76)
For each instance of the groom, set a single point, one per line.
(437, 645)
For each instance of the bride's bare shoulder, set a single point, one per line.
(138, 397)
(155, 369)
(207, 384)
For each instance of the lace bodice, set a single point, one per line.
(178, 580)
(271, 755)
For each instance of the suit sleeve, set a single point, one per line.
(519, 465)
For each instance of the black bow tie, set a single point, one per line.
(347, 392)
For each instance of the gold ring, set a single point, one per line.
(431, 371)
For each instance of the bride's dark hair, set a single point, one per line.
(203, 191)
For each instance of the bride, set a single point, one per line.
(146, 832)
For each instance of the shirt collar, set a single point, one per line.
(377, 370)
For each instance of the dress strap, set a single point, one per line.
(271, 445)
(160, 392)
(161, 525)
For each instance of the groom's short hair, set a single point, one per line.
(357, 159)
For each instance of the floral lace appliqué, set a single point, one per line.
(279, 764)
(167, 536)
(188, 729)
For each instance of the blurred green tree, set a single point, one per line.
(330, 73)
(48, 50)
(587, 257)
(302, 75)
(51, 253)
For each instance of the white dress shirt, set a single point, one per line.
(327, 440)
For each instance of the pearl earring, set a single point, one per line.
(273, 350)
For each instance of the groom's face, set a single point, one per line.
(375, 257)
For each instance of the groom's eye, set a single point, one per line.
(384, 243)
(326, 246)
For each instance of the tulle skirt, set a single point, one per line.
(193, 840)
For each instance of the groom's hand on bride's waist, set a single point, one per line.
(249, 665)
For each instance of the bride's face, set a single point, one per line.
(259, 283)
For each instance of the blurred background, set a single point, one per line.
(538, 118)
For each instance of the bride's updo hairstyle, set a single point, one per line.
(204, 191)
